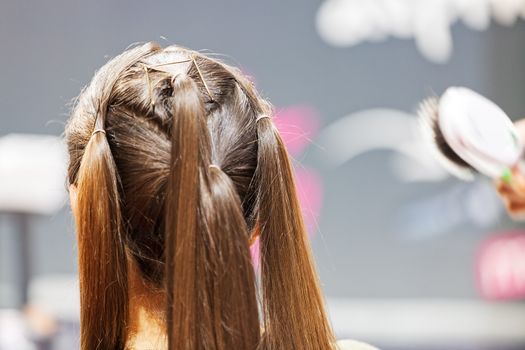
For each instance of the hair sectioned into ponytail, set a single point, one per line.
(178, 165)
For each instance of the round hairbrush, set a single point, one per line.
(471, 134)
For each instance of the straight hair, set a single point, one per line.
(177, 164)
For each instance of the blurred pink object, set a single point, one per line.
(501, 267)
(297, 126)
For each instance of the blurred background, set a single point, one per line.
(409, 257)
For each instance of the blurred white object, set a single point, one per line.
(32, 173)
(13, 331)
(349, 344)
(54, 309)
(350, 22)
(479, 131)
(432, 30)
(382, 129)
(56, 295)
(506, 12)
(429, 323)
(475, 13)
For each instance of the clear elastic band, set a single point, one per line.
(262, 117)
(98, 130)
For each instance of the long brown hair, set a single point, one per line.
(177, 162)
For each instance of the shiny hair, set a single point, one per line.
(174, 168)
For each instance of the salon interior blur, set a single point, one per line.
(410, 257)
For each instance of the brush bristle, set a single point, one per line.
(429, 116)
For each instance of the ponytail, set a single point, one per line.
(101, 251)
(210, 282)
(102, 259)
(203, 241)
(294, 315)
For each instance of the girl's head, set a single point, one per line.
(177, 166)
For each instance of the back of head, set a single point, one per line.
(176, 163)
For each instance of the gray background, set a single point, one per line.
(51, 48)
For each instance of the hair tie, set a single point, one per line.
(262, 117)
(98, 130)
(214, 166)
